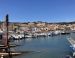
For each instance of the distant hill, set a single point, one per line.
(42, 22)
(65, 23)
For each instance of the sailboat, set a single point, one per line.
(5, 47)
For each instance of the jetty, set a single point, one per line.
(72, 42)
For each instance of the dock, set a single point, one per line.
(12, 53)
(72, 42)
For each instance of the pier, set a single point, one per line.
(72, 42)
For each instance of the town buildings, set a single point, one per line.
(38, 26)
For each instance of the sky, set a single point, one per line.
(38, 10)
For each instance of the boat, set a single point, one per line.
(68, 56)
(65, 33)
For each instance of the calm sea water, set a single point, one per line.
(45, 47)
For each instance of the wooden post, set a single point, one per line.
(5, 37)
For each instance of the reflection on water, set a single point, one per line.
(45, 47)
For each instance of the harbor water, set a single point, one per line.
(45, 47)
